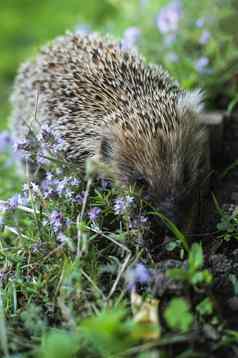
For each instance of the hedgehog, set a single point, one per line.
(107, 103)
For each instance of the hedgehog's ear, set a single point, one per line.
(190, 102)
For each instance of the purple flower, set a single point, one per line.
(94, 213)
(57, 221)
(172, 57)
(1, 223)
(62, 238)
(168, 17)
(79, 198)
(105, 183)
(35, 188)
(130, 38)
(205, 36)
(73, 181)
(201, 64)
(200, 22)
(138, 275)
(58, 146)
(140, 220)
(122, 204)
(5, 141)
(41, 158)
(3, 207)
(13, 202)
(47, 134)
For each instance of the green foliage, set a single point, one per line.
(228, 225)
(193, 274)
(178, 315)
(205, 307)
(58, 344)
(108, 333)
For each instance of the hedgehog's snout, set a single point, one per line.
(168, 207)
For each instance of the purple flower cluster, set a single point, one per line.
(138, 275)
(57, 221)
(169, 16)
(122, 204)
(23, 148)
(66, 187)
(14, 202)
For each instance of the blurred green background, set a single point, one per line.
(26, 24)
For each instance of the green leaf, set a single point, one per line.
(205, 307)
(58, 344)
(178, 234)
(178, 274)
(178, 316)
(195, 258)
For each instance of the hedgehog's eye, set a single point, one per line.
(141, 182)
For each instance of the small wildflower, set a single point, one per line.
(16, 200)
(138, 275)
(201, 64)
(122, 204)
(24, 145)
(47, 134)
(57, 221)
(200, 22)
(13, 202)
(73, 181)
(204, 37)
(3, 207)
(138, 222)
(35, 188)
(1, 223)
(94, 213)
(62, 238)
(172, 57)
(36, 247)
(58, 146)
(79, 198)
(5, 141)
(130, 38)
(105, 183)
(41, 158)
(168, 17)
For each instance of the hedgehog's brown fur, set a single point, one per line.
(107, 102)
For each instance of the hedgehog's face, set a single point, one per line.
(169, 167)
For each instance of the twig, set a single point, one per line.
(80, 216)
(3, 329)
(92, 283)
(123, 267)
